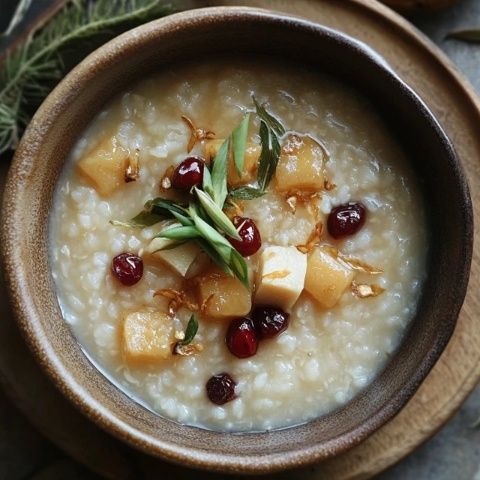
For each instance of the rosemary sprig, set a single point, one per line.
(31, 71)
(19, 14)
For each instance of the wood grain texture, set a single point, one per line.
(432, 76)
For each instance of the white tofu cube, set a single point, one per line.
(281, 276)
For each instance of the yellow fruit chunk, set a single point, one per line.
(147, 336)
(300, 166)
(327, 278)
(222, 296)
(252, 154)
(280, 277)
(104, 166)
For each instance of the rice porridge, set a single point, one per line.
(285, 322)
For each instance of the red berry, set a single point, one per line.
(128, 268)
(221, 388)
(242, 338)
(248, 231)
(188, 173)
(346, 219)
(269, 321)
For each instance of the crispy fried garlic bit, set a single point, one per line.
(313, 239)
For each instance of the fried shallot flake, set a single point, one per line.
(365, 291)
(187, 350)
(132, 169)
(177, 299)
(306, 199)
(354, 263)
(313, 239)
(196, 134)
(328, 185)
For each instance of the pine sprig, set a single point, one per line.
(31, 71)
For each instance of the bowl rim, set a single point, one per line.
(34, 332)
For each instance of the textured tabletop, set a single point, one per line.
(454, 453)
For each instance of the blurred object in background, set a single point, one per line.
(408, 6)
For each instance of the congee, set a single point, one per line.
(239, 246)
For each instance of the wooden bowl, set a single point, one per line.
(71, 106)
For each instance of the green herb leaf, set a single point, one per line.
(212, 236)
(230, 257)
(31, 71)
(214, 255)
(185, 220)
(142, 220)
(18, 16)
(216, 214)
(219, 174)
(239, 140)
(207, 182)
(269, 156)
(155, 211)
(471, 35)
(164, 208)
(190, 331)
(179, 233)
(239, 267)
(246, 193)
(270, 121)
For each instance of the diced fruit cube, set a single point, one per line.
(147, 336)
(104, 166)
(252, 154)
(300, 166)
(327, 278)
(223, 296)
(178, 258)
(280, 277)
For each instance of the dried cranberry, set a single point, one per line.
(269, 321)
(221, 388)
(128, 268)
(250, 236)
(241, 338)
(188, 173)
(346, 219)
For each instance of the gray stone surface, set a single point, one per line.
(454, 453)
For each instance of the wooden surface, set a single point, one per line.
(422, 66)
